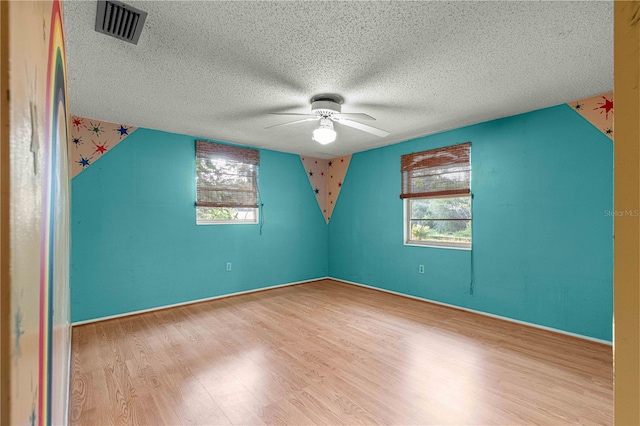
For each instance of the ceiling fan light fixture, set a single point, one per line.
(324, 134)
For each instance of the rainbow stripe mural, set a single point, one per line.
(56, 104)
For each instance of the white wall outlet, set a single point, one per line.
(228, 266)
(421, 269)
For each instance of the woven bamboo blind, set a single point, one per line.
(437, 172)
(227, 176)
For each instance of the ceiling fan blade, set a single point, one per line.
(294, 122)
(357, 115)
(299, 114)
(360, 126)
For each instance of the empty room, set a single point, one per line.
(331, 213)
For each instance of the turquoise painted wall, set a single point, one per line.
(543, 247)
(135, 244)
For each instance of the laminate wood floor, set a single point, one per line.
(332, 353)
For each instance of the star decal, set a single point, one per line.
(321, 173)
(342, 160)
(317, 191)
(316, 161)
(32, 417)
(607, 106)
(123, 131)
(100, 148)
(77, 122)
(339, 184)
(18, 331)
(310, 173)
(77, 141)
(578, 106)
(609, 131)
(84, 162)
(330, 163)
(96, 128)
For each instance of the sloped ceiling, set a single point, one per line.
(217, 69)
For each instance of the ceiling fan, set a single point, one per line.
(327, 109)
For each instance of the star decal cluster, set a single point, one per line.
(597, 110)
(326, 178)
(91, 139)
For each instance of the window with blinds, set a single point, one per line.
(226, 183)
(436, 188)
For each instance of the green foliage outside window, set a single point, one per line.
(441, 220)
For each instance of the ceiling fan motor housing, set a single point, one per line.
(325, 108)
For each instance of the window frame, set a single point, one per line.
(231, 153)
(427, 243)
(442, 159)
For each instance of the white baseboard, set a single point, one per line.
(486, 314)
(189, 302)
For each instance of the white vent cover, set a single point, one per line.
(120, 20)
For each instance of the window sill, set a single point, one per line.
(231, 222)
(437, 246)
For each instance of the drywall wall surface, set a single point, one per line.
(542, 224)
(136, 244)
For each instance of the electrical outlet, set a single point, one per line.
(421, 269)
(228, 266)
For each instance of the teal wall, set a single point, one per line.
(135, 244)
(543, 247)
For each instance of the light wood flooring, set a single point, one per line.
(335, 354)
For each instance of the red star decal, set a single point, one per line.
(321, 173)
(342, 160)
(607, 106)
(339, 183)
(100, 148)
(77, 122)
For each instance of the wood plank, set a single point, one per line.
(332, 353)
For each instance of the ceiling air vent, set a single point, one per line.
(120, 20)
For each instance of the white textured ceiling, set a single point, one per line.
(217, 69)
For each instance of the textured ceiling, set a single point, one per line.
(217, 69)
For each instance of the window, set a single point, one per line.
(436, 189)
(226, 183)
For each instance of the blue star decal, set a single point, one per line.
(123, 130)
(18, 331)
(84, 162)
(317, 191)
(32, 417)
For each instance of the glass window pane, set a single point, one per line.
(441, 231)
(441, 208)
(440, 221)
(215, 214)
